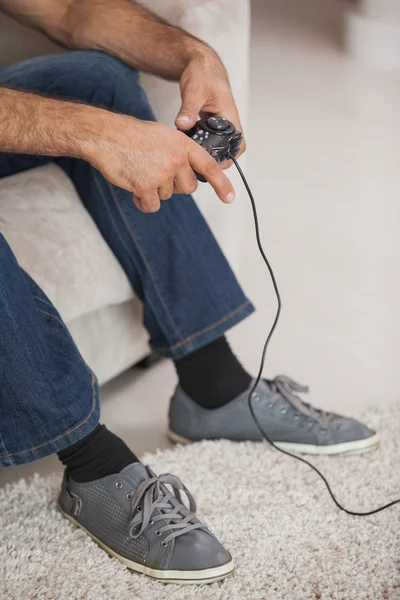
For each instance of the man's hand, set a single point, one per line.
(152, 161)
(148, 159)
(205, 89)
(128, 31)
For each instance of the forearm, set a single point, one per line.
(120, 27)
(132, 34)
(32, 124)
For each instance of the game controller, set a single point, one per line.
(218, 137)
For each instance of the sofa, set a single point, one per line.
(54, 238)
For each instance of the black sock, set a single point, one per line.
(212, 375)
(99, 454)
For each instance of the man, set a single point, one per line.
(86, 111)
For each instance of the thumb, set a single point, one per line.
(187, 116)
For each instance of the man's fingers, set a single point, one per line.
(242, 148)
(165, 191)
(226, 165)
(203, 163)
(186, 181)
(187, 116)
(148, 201)
(136, 201)
(192, 101)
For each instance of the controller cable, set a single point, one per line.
(264, 352)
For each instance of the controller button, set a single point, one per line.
(218, 123)
(195, 137)
(201, 131)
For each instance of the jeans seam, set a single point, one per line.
(207, 329)
(45, 302)
(135, 240)
(52, 317)
(64, 434)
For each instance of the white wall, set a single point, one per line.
(372, 33)
(387, 10)
(324, 157)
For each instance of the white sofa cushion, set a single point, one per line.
(111, 339)
(57, 242)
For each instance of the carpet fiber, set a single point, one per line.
(273, 513)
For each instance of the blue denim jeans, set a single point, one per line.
(49, 398)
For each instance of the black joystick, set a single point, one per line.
(218, 137)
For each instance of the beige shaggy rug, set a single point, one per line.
(287, 537)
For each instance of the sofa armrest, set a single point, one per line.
(202, 18)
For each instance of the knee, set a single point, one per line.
(98, 65)
(85, 76)
(100, 74)
(113, 83)
(76, 73)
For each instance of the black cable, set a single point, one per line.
(264, 352)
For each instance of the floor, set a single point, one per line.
(323, 163)
(288, 540)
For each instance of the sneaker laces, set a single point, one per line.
(152, 496)
(283, 386)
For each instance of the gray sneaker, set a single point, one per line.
(291, 423)
(140, 519)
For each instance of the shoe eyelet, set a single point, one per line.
(157, 532)
(255, 396)
(139, 508)
(119, 484)
(164, 544)
(129, 496)
(151, 523)
(283, 410)
(296, 417)
(270, 404)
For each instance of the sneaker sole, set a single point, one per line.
(167, 576)
(356, 447)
